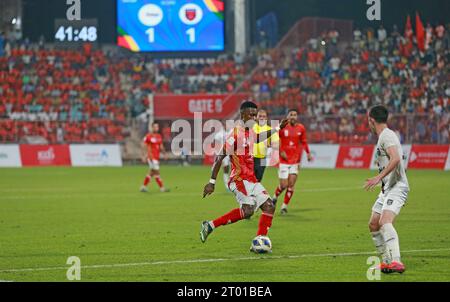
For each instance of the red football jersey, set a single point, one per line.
(153, 142)
(293, 142)
(239, 147)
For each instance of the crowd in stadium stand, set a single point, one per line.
(88, 95)
(68, 95)
(324, 79)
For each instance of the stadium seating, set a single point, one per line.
(91, 95)
(327, 78)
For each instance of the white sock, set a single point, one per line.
(378, 241)
(226, 178)
(391, 241)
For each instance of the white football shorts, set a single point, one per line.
(153, 164)
(392, 200)
(249, 193)
(285, 170)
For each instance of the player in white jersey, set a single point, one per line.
(394, 191)
(220, 138)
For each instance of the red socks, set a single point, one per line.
(278, 191)
(231, 217)
(159, 181)
(265, 222)
(288, 196)
(147, 180)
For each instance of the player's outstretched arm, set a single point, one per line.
(263, 136)
(394, 160)
(209, 188)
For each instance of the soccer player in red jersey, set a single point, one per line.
(292, 143)
(250, 194)
(152, 145)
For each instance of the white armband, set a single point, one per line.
(212, 181)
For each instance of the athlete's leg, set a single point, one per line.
(245, 210)
(262, 169)
(229, 218)
(259, 168)
(377, 236)
(283, 175)
(157, 175)
(390, 235)
(147, 180)
(280, 189)
(290, 188)
(233, 216)
(259, 172)
(265, 222)
(393, 203)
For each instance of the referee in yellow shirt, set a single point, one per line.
(260, 150)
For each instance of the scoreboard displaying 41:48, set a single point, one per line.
(171, 25)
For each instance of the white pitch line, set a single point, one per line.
(210, 260)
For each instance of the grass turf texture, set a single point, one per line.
(98, 214)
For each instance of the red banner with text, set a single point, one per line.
(212, 106)
(42, 155)
(428, 157)
(354, 157)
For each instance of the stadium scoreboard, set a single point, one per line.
(171, 25)
(138, 25)
(76, 31)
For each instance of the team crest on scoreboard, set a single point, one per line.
(150, 15)
(191, 14)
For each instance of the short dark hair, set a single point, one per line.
(248, 104)
(379, 113)
(293, 110)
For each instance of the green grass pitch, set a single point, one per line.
(120, 234)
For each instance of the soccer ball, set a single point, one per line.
(261, 245)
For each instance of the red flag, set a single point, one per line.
(420, 33)
(408, 28)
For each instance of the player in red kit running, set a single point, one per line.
(292, 143)
(249, 193)
(152, 146)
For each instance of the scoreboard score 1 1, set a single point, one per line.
(171, 25)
